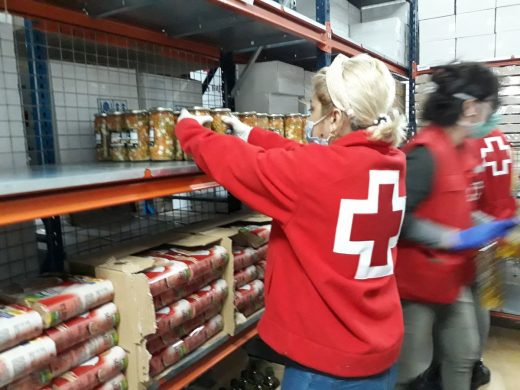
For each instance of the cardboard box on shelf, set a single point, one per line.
(341, 12)
(273, 77)
(395, 9)
(435, 9)
(474, 5)
(133, 297)
(477, 48)
(507, 18)
(437, 29)
(437, 52)
(507, 44)
(387, 37)
(475, 23)
(267, 102)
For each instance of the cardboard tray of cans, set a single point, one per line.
(133, 295)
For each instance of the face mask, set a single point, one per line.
(309, 126)
(481, 129)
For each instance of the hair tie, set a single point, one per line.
(381, 118)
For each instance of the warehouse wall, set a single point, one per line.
(468, 30)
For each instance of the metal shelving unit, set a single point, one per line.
(217, 33)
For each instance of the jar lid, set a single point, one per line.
(292, 115)
(116, 113)
(275, 116)
(221, 110)
(176, 113)
(262, 114)
(136, 112)
(199, 108)
(248, 113)
(102, 115)
(160, 109)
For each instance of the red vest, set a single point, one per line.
(429, 275)
(496, 198)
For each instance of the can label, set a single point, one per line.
(99, 140)
(17, 324)
(133, 138)
(151, 136)
(116, 139)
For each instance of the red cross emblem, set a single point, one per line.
(497, 155)
(370, 227)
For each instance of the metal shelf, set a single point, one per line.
(212, 26)
(186, 371)
(39, 192)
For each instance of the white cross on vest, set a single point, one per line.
(370, 228)
(500, 159)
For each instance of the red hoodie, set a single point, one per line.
(331, 298)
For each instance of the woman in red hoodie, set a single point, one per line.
(332, 306)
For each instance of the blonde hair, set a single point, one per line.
(371, 93)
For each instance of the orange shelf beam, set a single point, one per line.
(37, 9)
(28, 207)
(190, 374)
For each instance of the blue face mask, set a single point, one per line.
(309, 126)
(481, 129)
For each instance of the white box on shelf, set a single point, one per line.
(308, 84)
(386, 36)
(437, 29)
(507, 44)
(429, 9)
(395, 9)
(507, 18)
(274, 77)
(475, 23)
(354, 14)
(477, 48)
(474, 5)
(267, 102)
(503, 3)
(437, 52)
(340, 11)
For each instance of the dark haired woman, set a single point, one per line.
(434, 269)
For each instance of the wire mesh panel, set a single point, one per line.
(67, 74)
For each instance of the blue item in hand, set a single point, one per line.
(481, 235)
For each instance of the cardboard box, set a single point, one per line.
(475, 23)
(437, 29)
(476, 48)
(267, 102)
(507, 18)
(308, 85)
(395, 9)
(133, 297)
(507, 44)
(437, 52)
(273, 77)
(341, 11)
(474, 5)
(387, 37)
(429, 9)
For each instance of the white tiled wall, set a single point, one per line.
(18, 250)
(12, 139)
(76, 89)
(164, 91)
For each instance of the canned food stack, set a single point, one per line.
(249, 266)
(188, 293)
(67, 330)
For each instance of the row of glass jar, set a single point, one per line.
(141, 135)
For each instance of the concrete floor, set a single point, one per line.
(502, 356)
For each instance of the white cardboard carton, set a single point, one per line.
(477, 48)
(508, 44)
(274, 77)
(475, 23)
(341, 12)
(387, 37)
(429, 9)
(437, 52)
(508, 18)
(474, 5)
(395, 9)
(437, 29)
(267, 102)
